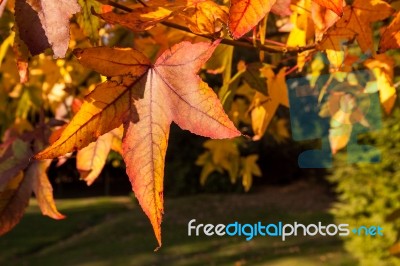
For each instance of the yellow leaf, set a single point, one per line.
(334, 45)
(205, 16)
(106, 107)
(302, 30)
(91, 159)
(140, 19)
(225, 155)
(323, 19)
(43, 189)
(339, 137)
(245, 14)
(249, 168)
(382, 66)
(333, 5)
(263, 107)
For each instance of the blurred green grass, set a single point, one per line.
(114, 231)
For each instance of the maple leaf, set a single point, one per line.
(334, 44)
(13, 201)
(334, 5)
(50, 16)
(245, 14)
(382, 66)
(20, 177)
(14, 158)
(282, 8)
(140, 19)
(264, 107)
(339, 137)
(221, 155)
(29, 27)
(91, 159)
(302, 30)
(323, 19)
(249, 168)
(205, 16)
(42, 188)
(89, 24)
(391, 36)
(358, 18)
(146, 98)
(108, 105)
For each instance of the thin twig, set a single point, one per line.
(237, 43)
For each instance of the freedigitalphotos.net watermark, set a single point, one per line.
(279, 229)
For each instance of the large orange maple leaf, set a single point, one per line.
(146, 98)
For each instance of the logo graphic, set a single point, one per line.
(349, 107)
(279, 229)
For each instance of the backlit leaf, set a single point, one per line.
(334, 5)
(205, 16)
(358, 18)
(146, 98)
(90, 24)
(245, 14)
(391, 36)
(173, 92)
(54, 18)
(323, 19)
(334, 43)
(140, 19)
(263, 107)
(106, 107)
(282, 8)
(42, 188)
(91, 159)
(382, 66)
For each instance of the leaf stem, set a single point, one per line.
(236, 43)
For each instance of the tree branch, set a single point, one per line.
(237, 43)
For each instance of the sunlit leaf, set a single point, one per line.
(245, 14)
(91, 159)
(382, 66)
(358, 18)
(54, 20)
(205, 16)
(334, 5)
(140, 19)
(146, 98)
(263, 107)
(90, 24)
(42, 188)
(391, 36)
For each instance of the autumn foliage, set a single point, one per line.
(159, 78)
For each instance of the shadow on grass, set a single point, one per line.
(106, 231)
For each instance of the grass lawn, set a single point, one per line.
(114, 231)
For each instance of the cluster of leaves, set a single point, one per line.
(132, 109)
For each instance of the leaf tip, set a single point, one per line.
(77, 52)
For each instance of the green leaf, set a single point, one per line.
(89, 24)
